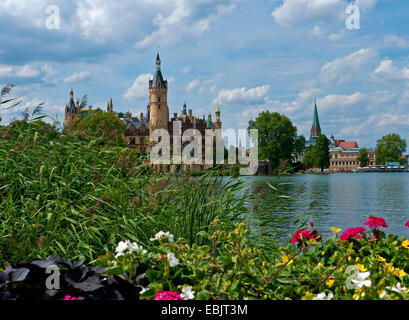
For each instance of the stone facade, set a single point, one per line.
(346, 160)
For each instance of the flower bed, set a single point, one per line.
(360, 264)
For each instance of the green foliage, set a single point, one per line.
(277, 137)
(390, 148)
(231, 267)
(308, 159)
(101, 124)
(321, 153)
(363, 157)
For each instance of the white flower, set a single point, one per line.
(161, 234)
(173, 261)
(323, 296)
(359, 280)
(126, 247)
(383, 294)
(143, 290)
(187, 293)
(397, 289)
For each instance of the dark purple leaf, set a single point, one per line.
(20, 275)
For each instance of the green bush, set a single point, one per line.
(101, 124)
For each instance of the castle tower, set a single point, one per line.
(110, 107)
(71, 111)
(158, 100)
(218, 123)
(316, 128)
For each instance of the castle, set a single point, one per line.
(138, 130)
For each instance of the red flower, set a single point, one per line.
(376, 222)
(353, 233)
(407, 223)
(168, 295)
(312, 224)
(302, 234)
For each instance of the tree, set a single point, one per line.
(308, 160)
(101, 124)
(276, 137)
(321, 153)
(299, 146)
(363, 157)
(390, 148)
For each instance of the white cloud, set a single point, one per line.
(393, 40)
(347, 68)
(186, 18)
(78, 77)
(318, 31)
(239, 96)
(193, 84)
(337, 36)
(5, 70)
(292, 12)
(139, 88)
(27, 71)
(296, 12)
(387, 71)
(147, 22)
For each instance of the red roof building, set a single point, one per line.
(348, 145)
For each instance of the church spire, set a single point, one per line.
(316, 128)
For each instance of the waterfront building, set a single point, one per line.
(344, 156)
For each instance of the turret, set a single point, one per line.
(158, 99)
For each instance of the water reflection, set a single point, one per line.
(336, 200)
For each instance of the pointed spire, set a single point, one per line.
(158, 60)
(316, 128)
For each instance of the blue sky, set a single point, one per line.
(250, 55)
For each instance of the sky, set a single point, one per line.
(246, 55)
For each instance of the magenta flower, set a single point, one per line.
(301, 235)
(407, 224)
(67, 297)
(376, 222)
(168, 295)
(353, 233)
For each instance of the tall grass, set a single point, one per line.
(77, 198)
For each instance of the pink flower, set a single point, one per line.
(376, 222)
(353, 233)
(312, 224)
(67, 297)
(168, 295)
(407, 224)
(300, 235)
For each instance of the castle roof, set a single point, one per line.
(136, 122)
(158, 81)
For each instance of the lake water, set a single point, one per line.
(333, 200)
